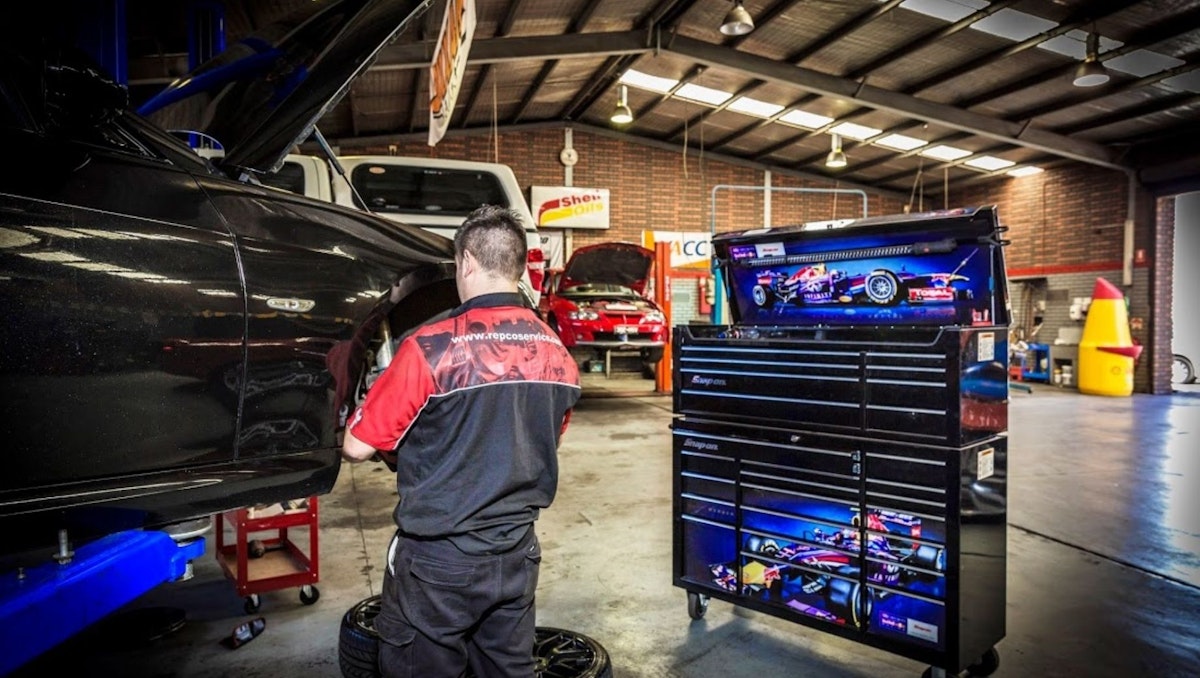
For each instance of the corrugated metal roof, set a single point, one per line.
(871, 62)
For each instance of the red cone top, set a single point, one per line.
(1106, 290)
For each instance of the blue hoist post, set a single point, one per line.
(42, 606)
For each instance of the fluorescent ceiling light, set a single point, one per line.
(1013, 25)
(805, 119)
(706, 95)
(943, 152)
(1140, 63)
(755, 107)
(899, 142)
(167, 281)
(647, 81)
(989, 163)
(947, 10)
(218, 293)
(137, 275)
(1025, 171)
(854, 131)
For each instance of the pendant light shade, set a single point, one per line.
(1091, 72)
(622, 115)
(737, 21)
(836, 157)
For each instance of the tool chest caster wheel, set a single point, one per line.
(253, 602)
(309, 594)
(987, 664)
(697, 605)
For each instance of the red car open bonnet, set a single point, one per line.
(612, 263)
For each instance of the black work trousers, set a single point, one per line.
(443, 610)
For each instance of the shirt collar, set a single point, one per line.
(491, 300)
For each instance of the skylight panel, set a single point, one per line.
(706, 95)
(900, 142)
(1025, 171)
(1140, 63)
(947, 10)
(943, 152)
(1014, 25)
(1074, 44)
(805, 119)
(854, 131)
(1188, 82)
(989, 163)
(750, 106)
(646, 81)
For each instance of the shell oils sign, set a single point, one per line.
(566, 207)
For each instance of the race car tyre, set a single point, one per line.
(882, 287)
(697, 605)
(848, 599)
(760, 295)
(557, 653)
(1182, 370)
(987, 664)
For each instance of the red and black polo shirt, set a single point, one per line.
(474, 406)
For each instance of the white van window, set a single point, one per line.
(399, 189)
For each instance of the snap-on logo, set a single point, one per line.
(698, 380)
(699, 445)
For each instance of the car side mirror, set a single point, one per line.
(80, 96)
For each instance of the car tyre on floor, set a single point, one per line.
(558, 653)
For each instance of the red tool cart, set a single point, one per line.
(279, 563)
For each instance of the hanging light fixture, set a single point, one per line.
(737, 21)
(1091, 72)
(836, 157)
(621, 114)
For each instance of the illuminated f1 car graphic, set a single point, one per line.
(819, 284)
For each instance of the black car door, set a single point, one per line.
(122, 298)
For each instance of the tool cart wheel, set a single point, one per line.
(309, 594)
(697, 605)
(253, 602)
(987, 664)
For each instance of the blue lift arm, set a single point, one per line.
(43, 606)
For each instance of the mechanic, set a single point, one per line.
(470, 413)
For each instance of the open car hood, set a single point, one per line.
(263, 95)
(614, 263)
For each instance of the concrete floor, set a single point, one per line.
(1103, 566)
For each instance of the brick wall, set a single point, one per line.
(1066, 224)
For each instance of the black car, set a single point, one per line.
(178, 339)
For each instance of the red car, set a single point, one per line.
(597, 304)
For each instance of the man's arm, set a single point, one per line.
(355, 450)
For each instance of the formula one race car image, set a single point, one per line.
(814, 284)
(819, 284)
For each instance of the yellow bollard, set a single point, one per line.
(1106, 349)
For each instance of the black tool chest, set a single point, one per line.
(844, 466)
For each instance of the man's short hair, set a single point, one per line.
(495, 236)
